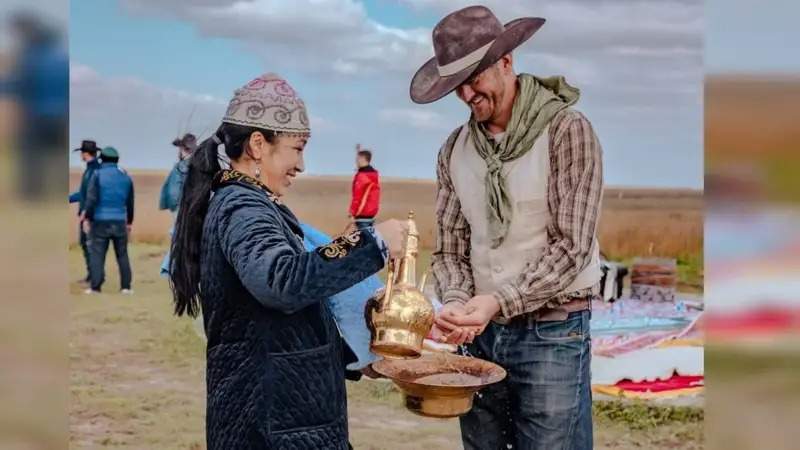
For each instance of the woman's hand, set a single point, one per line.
(351, 227)
(393, 232)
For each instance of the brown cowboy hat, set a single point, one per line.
(465, 43)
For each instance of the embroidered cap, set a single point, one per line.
(269, 102)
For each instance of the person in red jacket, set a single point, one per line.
(366, 191)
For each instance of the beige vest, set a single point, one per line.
(527, 178)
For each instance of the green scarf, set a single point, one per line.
(538, 100)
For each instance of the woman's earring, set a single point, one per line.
(258, 171)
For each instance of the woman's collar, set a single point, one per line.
(232, 176)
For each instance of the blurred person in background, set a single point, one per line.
(366, 195)
(173, 186)
(171, 190)
(39, 82)
(109, 212)
(88, 151)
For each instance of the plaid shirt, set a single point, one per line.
(574, 191)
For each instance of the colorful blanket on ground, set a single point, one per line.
(647, 350)
(629, 325)
(676, 385)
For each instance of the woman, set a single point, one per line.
(275, 375)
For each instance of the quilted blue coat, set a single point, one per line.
(275, 368)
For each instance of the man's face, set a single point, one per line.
(183, 153)
(483, 93)
(86, 156)
(361, 161)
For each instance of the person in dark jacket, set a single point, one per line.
(88, 151)
(173, 186)
(366, 196)
(275, 367)
(109, 211)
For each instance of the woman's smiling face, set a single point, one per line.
(282, 161)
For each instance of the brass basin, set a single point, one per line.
(440, 384)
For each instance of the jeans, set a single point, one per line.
(363, 223)
(101, 234)
(545, 401)
(83, 239)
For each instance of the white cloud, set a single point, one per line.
(86, 82)
(313, 35)
(638, 65)
(609, 48)
(140, 118)
(606, 44)
(344, 67)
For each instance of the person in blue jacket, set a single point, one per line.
(173, 186)
(88, 151)
(275, 362)
(109, 211)
(39, 83)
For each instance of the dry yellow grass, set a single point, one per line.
(137, 381)
(664, 222)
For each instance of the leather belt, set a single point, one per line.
(551, 314)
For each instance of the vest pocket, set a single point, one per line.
(303, 389)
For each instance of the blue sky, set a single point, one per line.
(165, 52)
(140, 67)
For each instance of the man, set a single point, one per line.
(109, 210)
(171, 190)
(88, 151)
(517, 261)
(173, 186)
(366, 191)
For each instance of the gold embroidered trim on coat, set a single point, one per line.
(341, 246)
(231, 175)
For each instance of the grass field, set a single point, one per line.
(634, 222)
(137, 382)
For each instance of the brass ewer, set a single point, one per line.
(399, 315)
